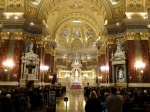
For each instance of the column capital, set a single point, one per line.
(130, 36)
(49, 51)
(12, 35)
(144, 36)
(110, 41)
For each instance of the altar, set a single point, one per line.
(76, 85)
(76, 78)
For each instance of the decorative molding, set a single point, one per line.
(118, 10)
(5, 83)
(130, 36)
(144, 36)
(110, 41)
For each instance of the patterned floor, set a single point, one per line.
(76, 102)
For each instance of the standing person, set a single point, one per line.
(114, 101)
(93, 104)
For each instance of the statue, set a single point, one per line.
(65, 32)
(121, 75)
(119, 52)
(89, 33)
(31, 47)
(76, 33)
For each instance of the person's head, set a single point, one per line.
(93, 94)
(106, 94)
(8, 95)
(113, 90)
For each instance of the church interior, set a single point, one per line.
(75, 43)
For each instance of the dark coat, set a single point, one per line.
(93, 105)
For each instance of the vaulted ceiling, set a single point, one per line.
(77, 24)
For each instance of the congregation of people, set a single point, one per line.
(112, 99)
(23, 99)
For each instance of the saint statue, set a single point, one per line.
(119, 52)
(121, 75)
(31, 47)
(65, 32)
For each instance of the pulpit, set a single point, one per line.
(30, 68)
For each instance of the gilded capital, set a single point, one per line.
(144, 36)
(130, 36)
(110, 41)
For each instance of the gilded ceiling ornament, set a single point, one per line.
(89, 33)
(35, 1)
(119, 10)
(2, 2)
(11, 5)
(76, 33)
(76, 5)
(18, 5)
(31, 10)
(65, 32)
(138, 5)
(131, 5)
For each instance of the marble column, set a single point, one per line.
(109, 51)
(1, 12)
(18, 49)
(41, 54)
(47, 63)
(131, 71)
(52, 64)
(145, 57)
(84, 65)
(68, 63)
(3, 57)
(103, 63)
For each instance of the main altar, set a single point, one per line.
(76, 78)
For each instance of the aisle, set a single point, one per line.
(76, 101)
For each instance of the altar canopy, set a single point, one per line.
(76, 78)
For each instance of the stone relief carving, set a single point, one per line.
(65, 32)
(89, 32)
(76, 33)
(35, 1)
(76, 5)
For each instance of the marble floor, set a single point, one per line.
(76, 101)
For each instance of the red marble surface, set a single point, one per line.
(145, 58)
(109, 51)
(3, 57)
(131, 72)
(52, 64)
(103, 63)
(47, 63)
(40, 53)
(84, 66)
(18, 48)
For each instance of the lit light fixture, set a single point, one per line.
(106, 22)
(76, 21)
(148, 25)
(8, 66)
(8, 63)
(32, 23)
(117, 23)
(16, 17)
(140, 67)
(104, 68)
(129, 17)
